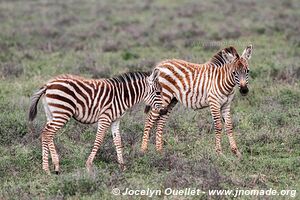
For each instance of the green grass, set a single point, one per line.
(39, 40)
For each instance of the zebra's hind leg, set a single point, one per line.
(47, 143)
(118, 143)
(151, 119)
(45, 151)
(58, 122)
(103, 125)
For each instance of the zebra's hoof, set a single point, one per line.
(239, 155)
(220, 153)
(48, 172)
(159, 150)
(89, 167)
(142, 151)
(122, 167)
(56, 169)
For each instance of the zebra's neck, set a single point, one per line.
(131, 88)
(228, 81)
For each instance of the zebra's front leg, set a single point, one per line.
(118, 143)
(151, 119)
(216, 114)
(161, 122)
(102, 127)
(229, 130)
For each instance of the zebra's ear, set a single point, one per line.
(247, 52)
(227, 56)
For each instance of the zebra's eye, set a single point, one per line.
(157, 93)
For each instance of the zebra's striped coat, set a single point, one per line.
(88, 101)
(198, 86)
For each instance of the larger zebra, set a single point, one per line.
(201, 85)
(88, 101)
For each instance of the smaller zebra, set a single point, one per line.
(89, 101)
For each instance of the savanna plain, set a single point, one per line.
(102, 39)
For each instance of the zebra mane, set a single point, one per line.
(130, 76)
(219, 60)
(123, 78)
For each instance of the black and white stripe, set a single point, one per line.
(198, 86)
(88, 101)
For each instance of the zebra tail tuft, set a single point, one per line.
(34, 101)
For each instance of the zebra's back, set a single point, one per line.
(188, 82)
(74, 96)
(87, 99)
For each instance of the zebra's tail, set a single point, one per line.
(34, 101)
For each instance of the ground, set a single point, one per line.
(41, 39)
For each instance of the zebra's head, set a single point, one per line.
(241, 70)
(153, 97)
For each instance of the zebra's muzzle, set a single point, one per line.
(244, 90)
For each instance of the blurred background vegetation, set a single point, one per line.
(40, 39)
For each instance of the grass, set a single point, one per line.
(41, 39)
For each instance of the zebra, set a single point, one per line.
(198, 86)
(89, 101)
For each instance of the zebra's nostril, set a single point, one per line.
(244, 90)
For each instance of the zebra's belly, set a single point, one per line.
(85, 117)
(85, 120)
(92, 117)
(198, 104)
(194, 101)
